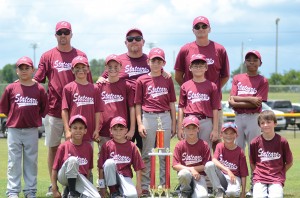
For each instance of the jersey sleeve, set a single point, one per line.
(182, 97)
(243, 165)
(263, 90)
(138, 99)
(180, 60)
(5, 101)
(172, 91)
(44, 104)
(138, 163)
(41, 73)
(66, 97)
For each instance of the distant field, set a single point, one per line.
(291, 186)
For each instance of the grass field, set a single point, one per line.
(291, 188)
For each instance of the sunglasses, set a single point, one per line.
(65, 32)
(136, 38)
(198, 26)
(198, 66)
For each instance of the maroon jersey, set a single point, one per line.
(234, 160)
(245, 85)
(132, 68)
(270, 158)
(83, 100)
(199, 98)
(83, 152)
(24, 105)
(115, 97)
(56, 66)
(124, 155)
(154, 93)
(216, 57)
(191, 154)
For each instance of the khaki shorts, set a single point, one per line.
(54, 130)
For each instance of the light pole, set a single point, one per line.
(276, 52)
(34, 46)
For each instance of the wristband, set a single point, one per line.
(101, 183)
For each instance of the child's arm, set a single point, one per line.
(55, 191)
(138, 111)
(101, 182)
(97, 126)
(139, 182)
(132, 116)
(243, 180)
(173, 118)
(180, 134)
(245, 102)
(65, 118)
(214, 134)
(225, 169)
(195, 170)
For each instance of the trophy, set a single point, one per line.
(160, 150)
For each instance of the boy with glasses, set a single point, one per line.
(24, 102)
(55, 65)
(228, 169)
(155, 98)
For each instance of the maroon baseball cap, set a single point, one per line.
(24, 61)
(63, 25)
(201, 19)
(134, 30)
(198, 57)
(78, 117)
(228, 125)
(255, 53)
(157, 53)
(80, 59)
(114, 58)
(118, 120)
(191, 120)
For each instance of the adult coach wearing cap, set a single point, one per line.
(55, 65)
(217, 60)
(134, 64)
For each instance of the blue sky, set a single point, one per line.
(99, 27)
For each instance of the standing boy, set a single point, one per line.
(270, 158)
(115, 161)
(199, 97)
(24, 102)
(82, 97)
(117, 96)
(228, 168)
(73, 163)
(190, 157)
(155, 98)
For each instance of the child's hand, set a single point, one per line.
(103, 192)
(256, 101)
(129, 135)
(56, 194)
(214, 136)
(139, 190)
(67, 135)
(142, 131)
(231, 176)
(96, 136)
(101, 80)
(166, 75)
(180, 134)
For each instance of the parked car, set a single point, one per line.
(3, 127)
(285, 106)
(230, 117)
(296, 109)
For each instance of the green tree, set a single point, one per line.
(9, 73)
(291, 77)
(97, 68)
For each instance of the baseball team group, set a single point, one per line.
(119, 115)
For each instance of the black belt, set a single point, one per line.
(199, 116)
(156, 112)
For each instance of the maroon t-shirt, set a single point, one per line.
(83, 152)
(83, 100)
(199, 98)
(132, 68)
(191, 154)
(24, 105)
(125, 155)
(234, 160)
(56, 66)
(115, 97)
(216, 57)
(154, 93)
(270, 158)
(244, 85)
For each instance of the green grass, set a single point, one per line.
(291, 188)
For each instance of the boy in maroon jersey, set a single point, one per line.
(115, 161)
(199, 97)
(270, 158)
(228, 168)
(82, 97)
(73, 163)
(24, 102)
(154, 98)
(189, 159)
